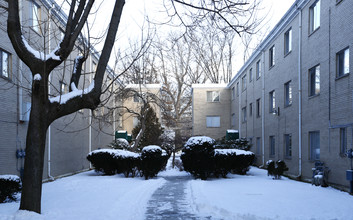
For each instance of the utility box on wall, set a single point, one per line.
(232, 135)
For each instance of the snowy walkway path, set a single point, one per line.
(169, 201)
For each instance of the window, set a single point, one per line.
(343, 141)
(258, 69)
(272, 101)
(314, 12)
(63, 88)
(4, 64)
(136, 98)
(244, 114)
(342, 62)
(250, 109)
(212, 96)
(233, 120)
(258, 107)
(288, 145)
(135, 121)
(314, 81)
(288, 93)
(272, 146)
(35, 16)
(243, 83)
(272, 56)
(237, 88)
(258, 145)
(233, 93)
(250, 75)
(314, 143)
(213, 121)
(288, 41)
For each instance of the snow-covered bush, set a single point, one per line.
(224, 161)
(120, 143)
(10, 185)
(112, 161)
(153, 160)
(243, 162)
(241, 144)
(276, 169)
(197, 156)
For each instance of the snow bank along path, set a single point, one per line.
(89, 196)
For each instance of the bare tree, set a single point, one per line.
(44, 109)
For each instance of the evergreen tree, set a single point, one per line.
(152, 131)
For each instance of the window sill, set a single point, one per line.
(5, 78)
(343, 76)
(287, 54)
(288, 158)
(314, 31)
(338, 2)
(287, 106)
(271, 67)
(313, 96)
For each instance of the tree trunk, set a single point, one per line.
(35, 147)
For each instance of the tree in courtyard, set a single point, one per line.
(44, 109)
(153, 129)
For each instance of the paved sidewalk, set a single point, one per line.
(169, 202)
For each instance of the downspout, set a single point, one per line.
(20, 92)
(329, 81)
(90, 117)
(239, 105)
(262, 69)
(49, 90)
(300, 93)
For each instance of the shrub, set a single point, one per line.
(10, 185)
(224, 161)
(120, 143)
(243, 162)
(197, 156)
(241, 144)
(103, 161)
(112, 161)
(152, 161)
(276, 169)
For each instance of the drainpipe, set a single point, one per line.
(239, 106)
(300, 93)
(329, 81)
(90, 117)
(49, 88)
(262, 69)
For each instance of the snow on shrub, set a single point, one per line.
(112, 161)
(276, 169)
(153, 160)
(10, 185)
(202, 160)
(120, 143)
(197, 156)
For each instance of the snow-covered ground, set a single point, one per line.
(253, 197)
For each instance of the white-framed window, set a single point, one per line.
(243, 83)
(288, 95)
(314, 20)
(272, 146)
(258, 145)
(212, 96)
(288, 41)
(233, 120)
(5, 60)
(288, 145)
(258, 107)
(258, 69)
(342, 62)
(314, 144)
(272, 101)
(35, 16)
(243, 110)
(343, 141)
(271, 56)
(135, 121)
(237, 88)
(213, 121)
(250, 110)
(314, 81)
(63, 88)
(250, 75)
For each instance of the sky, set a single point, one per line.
(134, 20)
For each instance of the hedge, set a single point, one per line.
(201, 158)
(10, 185)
